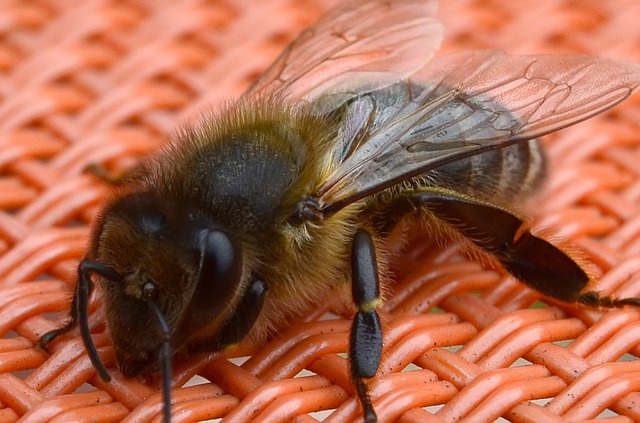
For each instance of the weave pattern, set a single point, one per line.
(100, 81)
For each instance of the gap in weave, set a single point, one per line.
(11, 334)
(321, 415)
(201, 380)
(627, 357)
(197, 380)
(85, 387)
(22, 374)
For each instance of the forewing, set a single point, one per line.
(473, 102)
(375, 43)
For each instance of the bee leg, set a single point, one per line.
(594, 299)
(244, 316)
(112, 179)
(44, 341)
(78, 312)
(237, 327)
(534, 261)
(365, 343)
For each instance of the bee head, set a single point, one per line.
(171, 275)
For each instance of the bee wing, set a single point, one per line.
(467, 103)
(375, 43)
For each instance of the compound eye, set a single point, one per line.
(221, 258)
(219, 278)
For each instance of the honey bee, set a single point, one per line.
(292, 192)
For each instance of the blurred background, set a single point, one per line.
(107, 82)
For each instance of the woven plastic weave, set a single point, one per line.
(99, 81)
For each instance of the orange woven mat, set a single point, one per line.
(105, 81)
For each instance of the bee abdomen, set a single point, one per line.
(507, 173)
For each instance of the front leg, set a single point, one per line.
(239, 323)
(365, 343)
